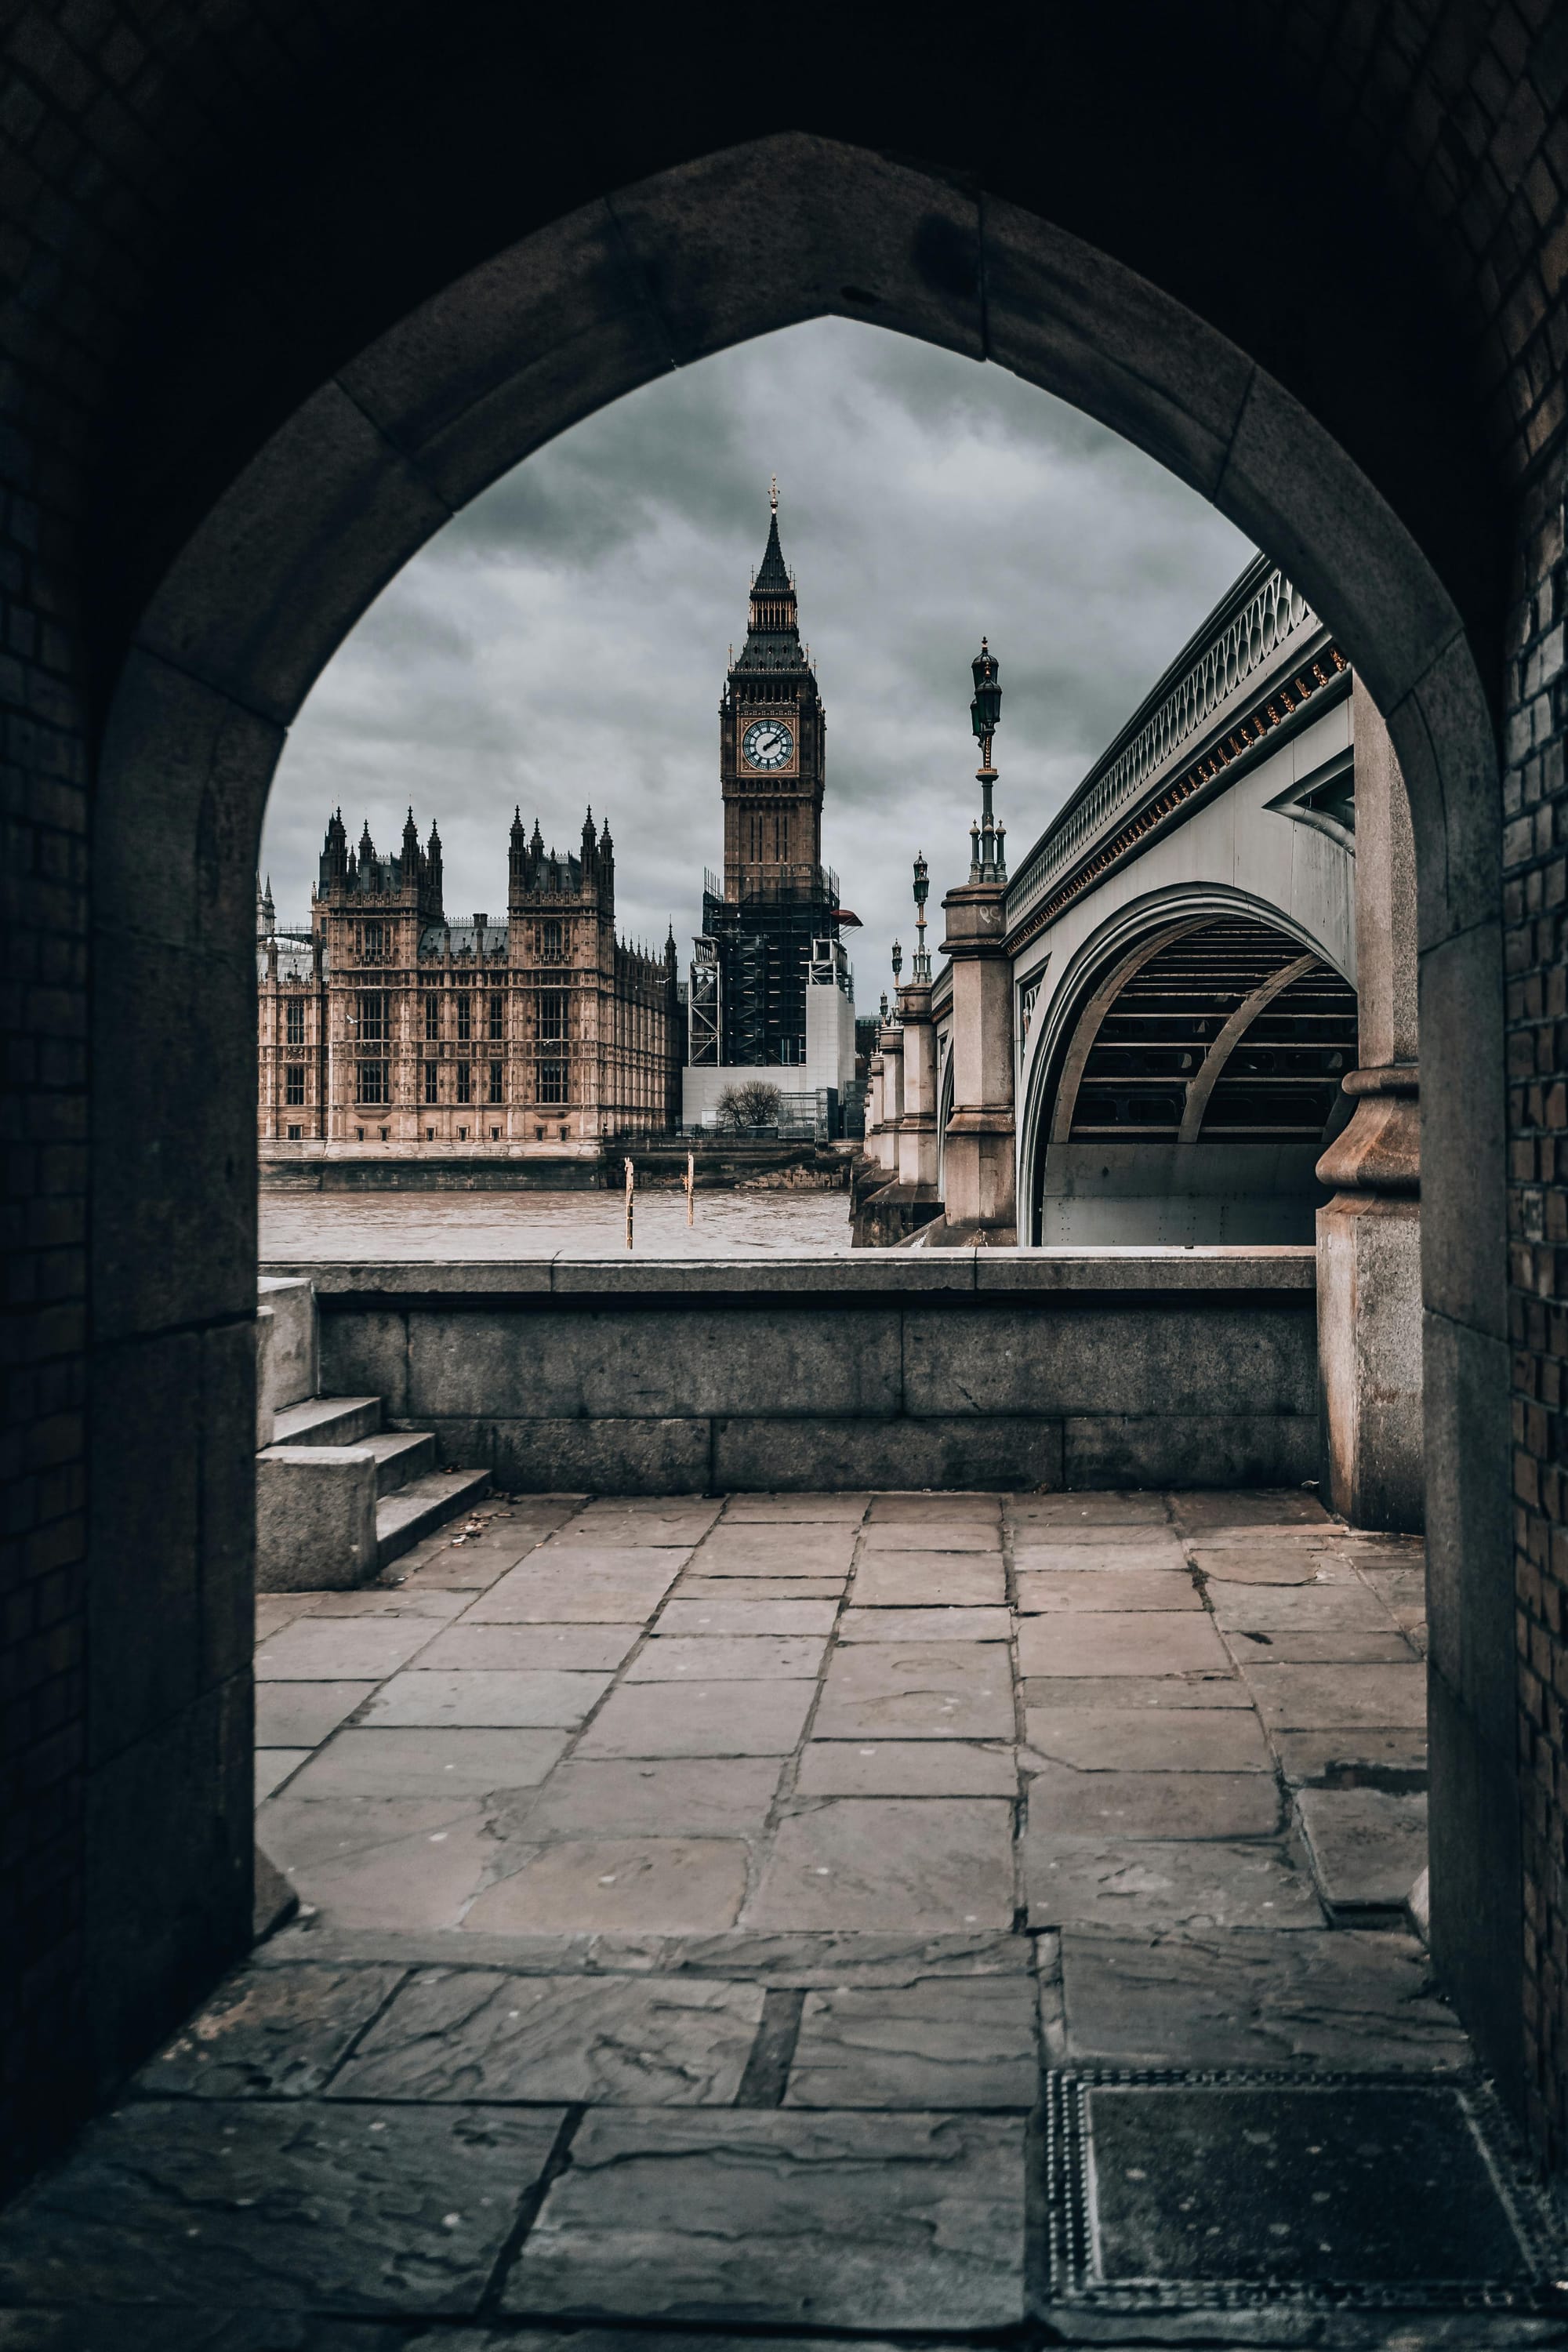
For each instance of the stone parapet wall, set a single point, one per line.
(967, 1368)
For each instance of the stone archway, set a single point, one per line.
(368, 466)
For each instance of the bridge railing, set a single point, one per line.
(1245, 637)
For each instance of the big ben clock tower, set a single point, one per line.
(774, 933)
(772, 741)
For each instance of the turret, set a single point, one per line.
(334, 852)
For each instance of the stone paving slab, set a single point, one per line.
(1124, 1693)
(1249, 1506)
(1353, 1751)
(352, 1649)
(468, 1571)
(918, 1690)
(903, 1508)
(576, 1649)
(301, 1715)
(714, 1612)
(274, 2034)
(841, 2220)
(851, 1861)
(1297, 1608)
(1348, 2000)
(761, 1547)
(398, 2210)
(276, 1609)
(1162, 1804)
(1323, 1697)
(935, 1534)
(560, 1557)
(927, 1580)
(1174, 1739)
(768, 1591)
(392, 1599)
(943, 2042)
(859, 1624)
(1402, 1591)
(1368, 1846)
(446, 1762)
(782, 1958)
(714, 1718)
(728, 1658)
(659, 1885)
(1274, 1563)
(602, 1524)
(1089, 1510)
(1151, 1887)
(849, 1508)
(618, 2041)
(1327, 1648)
(1123, 1590)
(479, 1698)
(1098, 1557)
(688, 1796)
(377, 1862)
(906, 1768)
(575, 1596)
(1164, 1642)
(274, 1766)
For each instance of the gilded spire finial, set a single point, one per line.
(774, 496)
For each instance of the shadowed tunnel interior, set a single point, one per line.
(294, 285)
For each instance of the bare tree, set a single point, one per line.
(754, 1104)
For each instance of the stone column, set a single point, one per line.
(977, 1169)
(917, 1128)
(1369, 1236)
(873, 1104)
(892, 1045)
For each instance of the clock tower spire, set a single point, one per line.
(772, 746)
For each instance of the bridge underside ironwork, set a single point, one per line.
(1195, 1088)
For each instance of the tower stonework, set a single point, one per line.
(771, 924)
(772, 746)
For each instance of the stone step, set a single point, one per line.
(327, 1421)
(401, 1456)
(424, 1504)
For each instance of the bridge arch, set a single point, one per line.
(315, 513)
(1183, 1078)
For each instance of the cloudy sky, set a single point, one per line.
(565, 640)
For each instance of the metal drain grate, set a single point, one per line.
(1171, 2191)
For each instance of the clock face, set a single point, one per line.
(767, 743)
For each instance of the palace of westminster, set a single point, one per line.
(384, 1022)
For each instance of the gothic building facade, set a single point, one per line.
(384, 1024)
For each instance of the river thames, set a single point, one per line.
(297, 1228)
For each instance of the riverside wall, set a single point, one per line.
(968, 1368)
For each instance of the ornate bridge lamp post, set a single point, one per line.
(891, 1039)
(978, 1169)
(917, 1128)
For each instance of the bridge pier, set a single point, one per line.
(1369, 1234)
(978, 1180)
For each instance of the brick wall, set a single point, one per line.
(1536, 901)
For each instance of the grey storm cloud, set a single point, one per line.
(563, 641)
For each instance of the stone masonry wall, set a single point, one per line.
(1188, 1368)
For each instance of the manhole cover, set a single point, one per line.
(1227, 2189)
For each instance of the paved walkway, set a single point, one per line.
(780, 1914)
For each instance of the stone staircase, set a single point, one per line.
(338, 1496)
